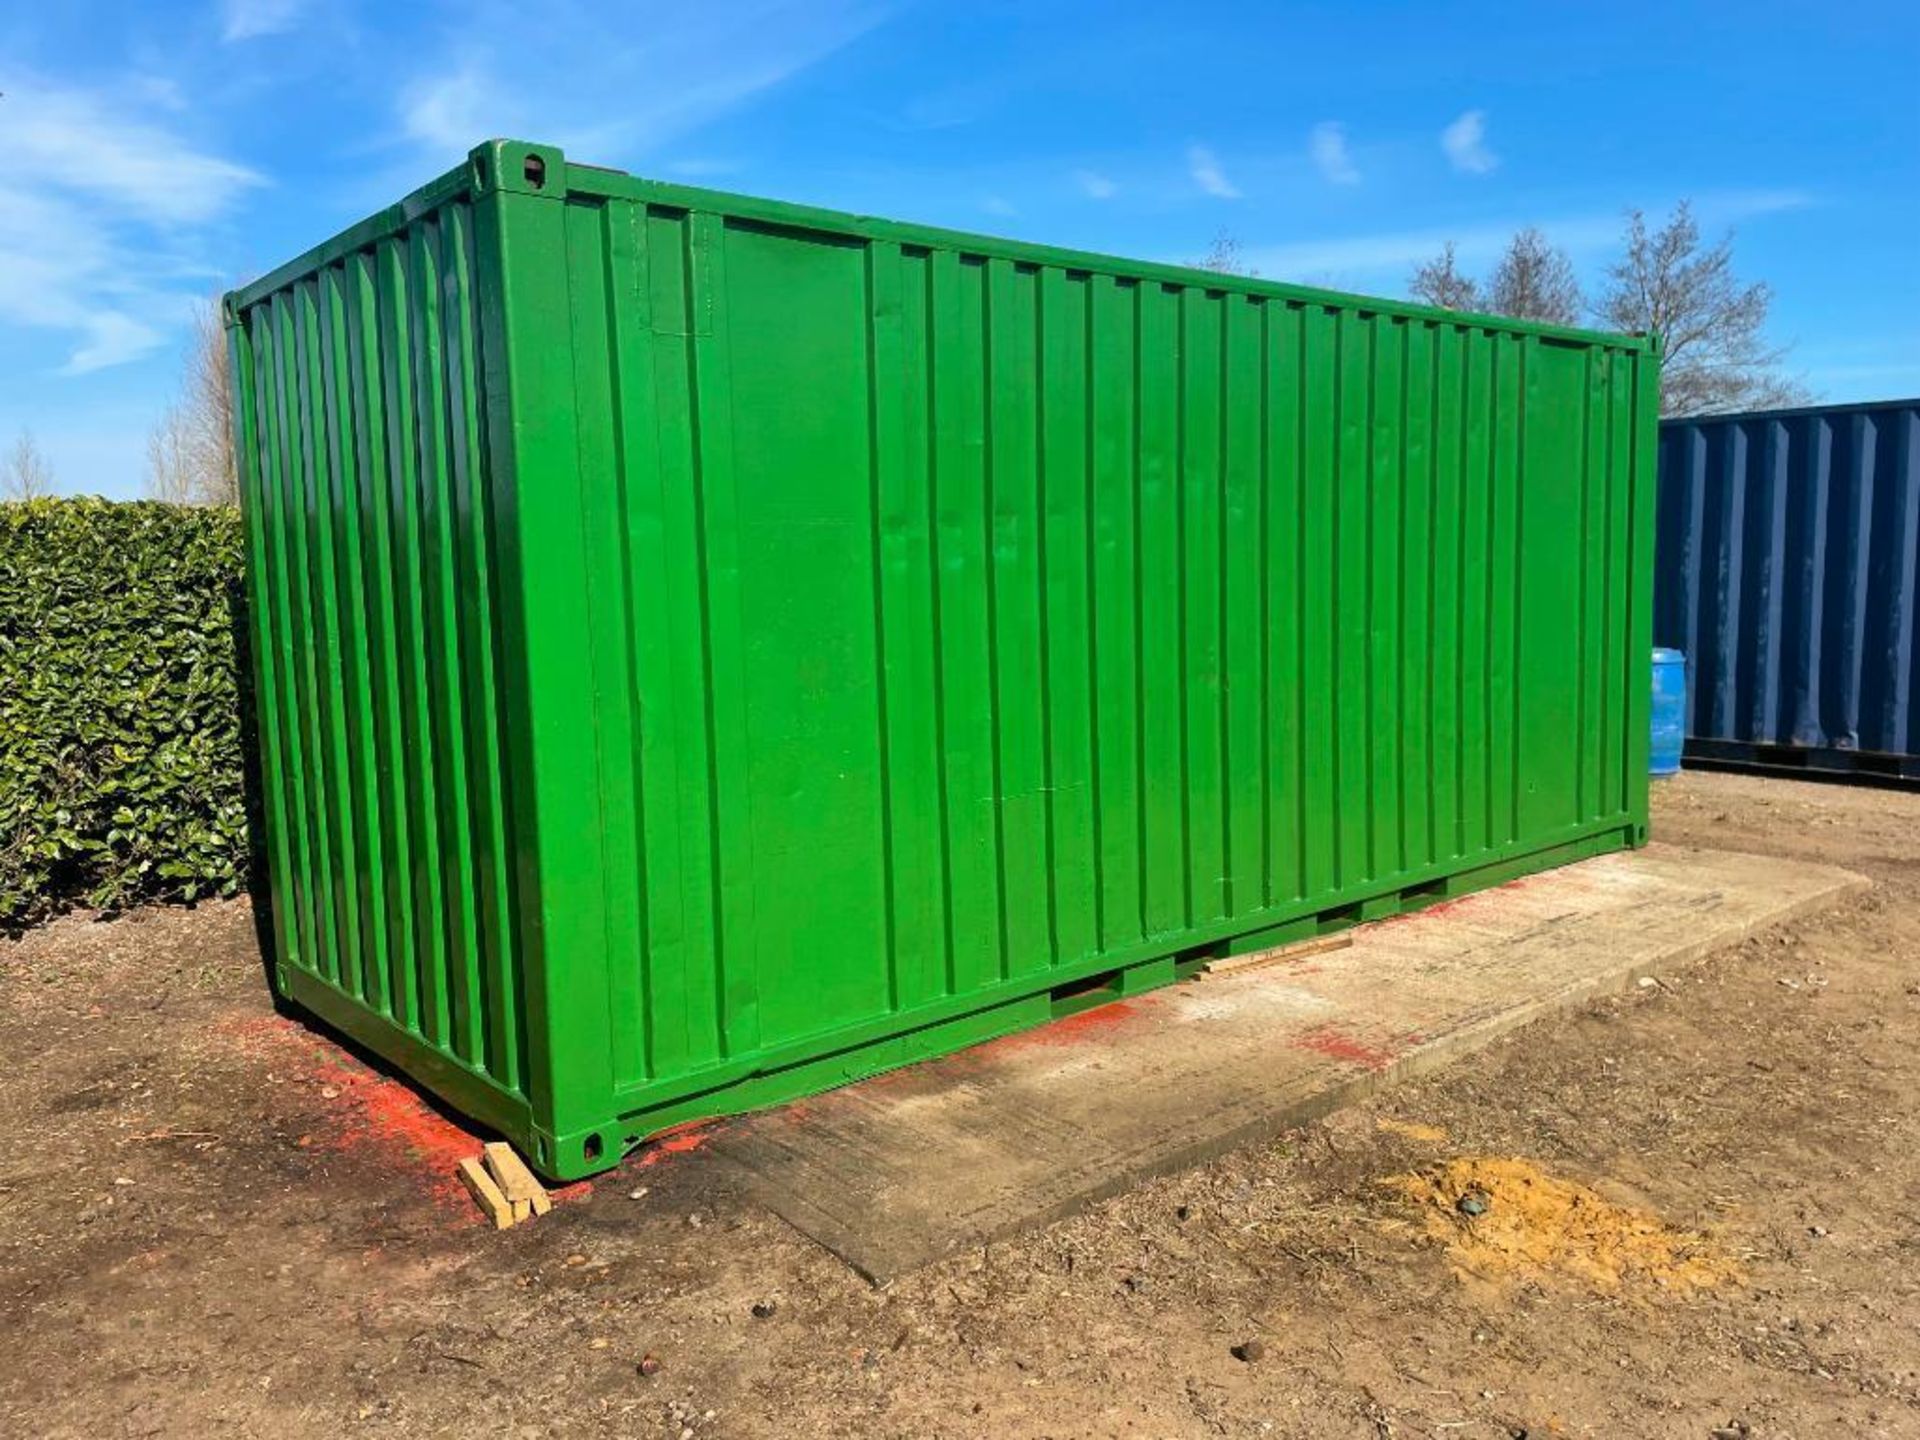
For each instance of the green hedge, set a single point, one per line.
(120, 754)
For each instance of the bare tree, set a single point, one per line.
(1440, 282)
(25, 474)
(1712, 327)
(1535, 281)
(190, 450)
(1715, 353)
(171, 475)
(1223, 257)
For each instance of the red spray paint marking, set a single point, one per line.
(945, 1069)
(1336, 1044)
(372, 1112)
(1474, 897)
(681, 1139)
(1438, 907)
(1083, 1025)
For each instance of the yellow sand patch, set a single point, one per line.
(1413, 1130)
(1538, 1227)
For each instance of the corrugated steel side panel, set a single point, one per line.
(710, 648)
(1789, 544)
(363, 468)
(973, 621)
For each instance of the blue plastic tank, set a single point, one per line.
(1669, 711)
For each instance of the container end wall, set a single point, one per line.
(372, 557)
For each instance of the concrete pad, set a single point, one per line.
(898, 1171)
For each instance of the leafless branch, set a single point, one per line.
(1712, 327)
(1223, 257)
(190, 450)
(1440, 282)
(1535, 281)
(25, 473)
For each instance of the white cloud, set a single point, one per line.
(1395, 251)
(78, 141)
(1094, 185)
(1352, 259)
(1723, 207)
(248, 19)
(99, 207)
(453, 112)
(60, 271)
(998, 205)
(1465, 142)
(1328, 146)
(586, 78)
(111, 338)
(1204, 166)
(160, 90)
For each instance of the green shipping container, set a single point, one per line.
(711, 649)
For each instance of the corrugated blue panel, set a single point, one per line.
(1789, 543)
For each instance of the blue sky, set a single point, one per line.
(155, 153)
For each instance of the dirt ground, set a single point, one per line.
(1700, 1217)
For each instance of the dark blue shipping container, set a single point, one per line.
(1789, 543)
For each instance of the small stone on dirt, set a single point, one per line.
(1181, 1212)
(1250, 1352)
(763, 1309)
(649, 1364)
(1473, 1203)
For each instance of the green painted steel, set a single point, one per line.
(711, 649)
